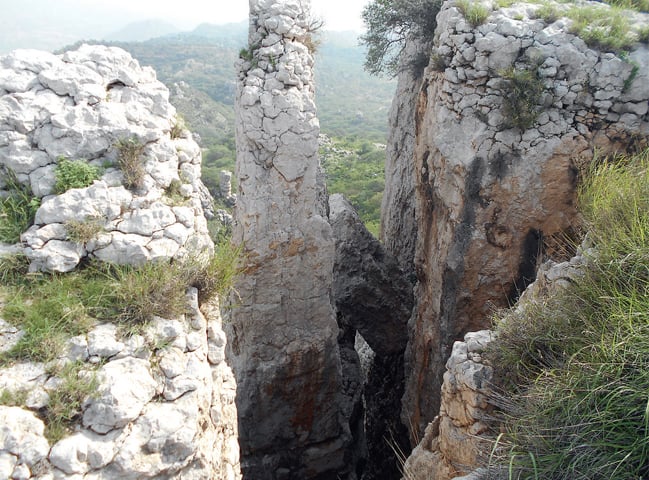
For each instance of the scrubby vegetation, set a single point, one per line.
(575, 369)
(50, 308)
(475, 12)
(522, 90)
(17, 207)
(356, 169)
(74, 174)
(129, 158)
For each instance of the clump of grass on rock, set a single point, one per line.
(577, 367)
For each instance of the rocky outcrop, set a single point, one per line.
(461, 438)
(373, 299)
(97, 105)
(508, 113)
(283, 334)
(398, 222)
(164, 405)
(372, 295)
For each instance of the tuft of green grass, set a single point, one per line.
(474, 12)
(522, 90)
(74, 174)
(577, 366)
(13, 398)
(64, 407)
(83, 231)
(18, 207)
(13, 268)
(49, 310)
(215, 275)
(129, 158)
(179, 128)
(548, 12)
(604, 28)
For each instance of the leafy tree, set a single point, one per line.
(389, 23)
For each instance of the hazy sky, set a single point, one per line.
(338, 14)
(52, 24)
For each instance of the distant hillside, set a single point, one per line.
(141, 31)
(351, 103)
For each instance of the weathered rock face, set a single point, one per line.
(374, 299)
(398, 222)
(80, 106)
(461, 437)
(158, 413)
(283, 334)
(372, 295)
(454, 443)
(492, 190)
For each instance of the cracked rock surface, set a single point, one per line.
(79, 106)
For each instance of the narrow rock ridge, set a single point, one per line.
(283, 334)
(398, 222)
(495, 173)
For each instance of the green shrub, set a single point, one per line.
(389, 23)
(474, 12)
(74, 174)
(17, 208)
(577, 366)
(522, 90)
(129, 158)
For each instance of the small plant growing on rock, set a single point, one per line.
(17, 208)
(74, 174)
(174, 193)
(83, 231)
(474, 12)
(65, 402)
(522, 90)
(129, 157)
(179, 128)
(548, 12)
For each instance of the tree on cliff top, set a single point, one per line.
(389, 23)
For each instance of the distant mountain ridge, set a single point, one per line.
(351, 103)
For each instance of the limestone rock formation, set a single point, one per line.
(283, 333)
(97, 105)
(159, 412)
(373, 299)
(459, 440)
(495, 169)
(455, 443)
(398, 222)
(372, 295)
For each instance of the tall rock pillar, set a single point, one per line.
(283, 333)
